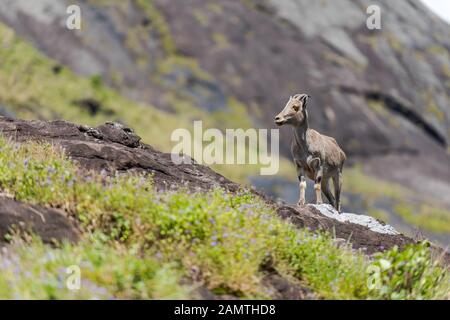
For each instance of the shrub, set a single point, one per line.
(408, 274)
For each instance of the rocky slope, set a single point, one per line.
(304, 46)
(113, 147)
(384, 94)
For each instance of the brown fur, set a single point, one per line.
(325, 147)
(316, 155)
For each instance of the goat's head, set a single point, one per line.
(294, 112)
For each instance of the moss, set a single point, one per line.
(437, 50)
(380, 108)
(394, 43)
(215, 7)
(160, 24)
(434, 110)
(431, 105)
(220, 40)
(171, 63)
(201, 18)
(419, 56)
(372, 41)
(446, 72)
(342, 61)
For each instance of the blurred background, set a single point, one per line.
(157, 65)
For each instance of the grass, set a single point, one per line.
(427, 216)
(32, 270)
(356, 181)
(379, 214)
(424, 215)
(32, 89)
(138, 243)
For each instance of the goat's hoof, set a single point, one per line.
(319, 202)
(301, 204)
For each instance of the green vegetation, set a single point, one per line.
(201, 18)
(31, 88)
(32, 270)
(379, 214)
(431, 106)
(395, 43)
(160, 25)
(137, 242)
(356, 181)
(409, 274)
(427, 216)
(220, 40)
(342, 61)
(423, 214)
(381, 109)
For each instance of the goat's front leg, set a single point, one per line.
(302, 185)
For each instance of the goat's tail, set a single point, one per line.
(343, 157)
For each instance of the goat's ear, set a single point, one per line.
(297, 97)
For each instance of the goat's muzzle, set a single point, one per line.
(279, 121)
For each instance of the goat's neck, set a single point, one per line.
(300, 132)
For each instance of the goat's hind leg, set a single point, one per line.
(337, 182)
(326, 191)
(302, 185)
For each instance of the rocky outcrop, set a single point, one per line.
(359, 236)
(113, 147)
(49, 224)
(260, 52)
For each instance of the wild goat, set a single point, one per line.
(317, 155)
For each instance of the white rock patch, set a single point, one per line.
(368, 221)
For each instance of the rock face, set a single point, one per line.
(390, 86)
(367, 221)
(359, 236)
(50, 224)
(113, 147)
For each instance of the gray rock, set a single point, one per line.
(367, 221)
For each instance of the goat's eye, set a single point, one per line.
(296, 107)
